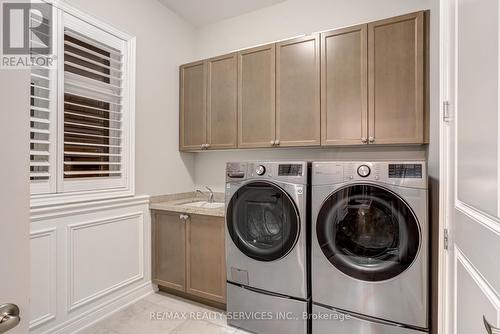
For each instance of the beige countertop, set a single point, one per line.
(174, 203)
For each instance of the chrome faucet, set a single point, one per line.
(210, 194)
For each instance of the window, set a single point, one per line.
(81, 112)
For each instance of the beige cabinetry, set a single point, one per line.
(298, 92)
(366, 84)
(256, 93)
(193, 106)
(396, 80)
(222, 102)
(344, 86)
(208, 104)
(189, 254)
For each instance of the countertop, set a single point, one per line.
(173, 203)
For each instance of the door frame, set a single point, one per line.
(444, 309)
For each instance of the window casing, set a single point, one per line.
(86, 144)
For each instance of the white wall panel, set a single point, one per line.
(477, 104)
(103, 256)
(43, 276)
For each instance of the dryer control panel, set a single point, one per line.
(412, 174)
(280, 171)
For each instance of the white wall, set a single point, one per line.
(281, 21)
(164, 41)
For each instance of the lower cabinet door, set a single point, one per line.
(206, 258)
(327, 321)
(169, 251)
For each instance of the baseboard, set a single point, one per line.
(90, 317)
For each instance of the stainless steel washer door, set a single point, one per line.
(263, 221)
(368, 232)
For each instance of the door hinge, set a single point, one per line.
(446, 240)
(446, 111)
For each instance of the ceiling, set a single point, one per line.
(203, 12)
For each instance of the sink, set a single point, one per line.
(204, 205)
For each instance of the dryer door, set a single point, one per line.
(368, 232)
(263, 221)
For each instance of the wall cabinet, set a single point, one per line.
(344, 86)
(256, 92)
(208, 104)
(298, 92)
(189, 254)
(396, 80)
(365, 84)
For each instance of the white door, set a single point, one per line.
(14, 195)
(470, 162)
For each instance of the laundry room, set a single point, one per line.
(238, 167)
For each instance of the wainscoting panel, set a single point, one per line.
(43, 277)
(88, 260)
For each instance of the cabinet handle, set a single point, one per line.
(207, 146)
(489, 328)
(364, 140)
(202, 146)
(371, 139)
(276, 142)
(183, 217)
(272, 142)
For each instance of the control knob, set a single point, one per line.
(364, 171)
(260, 170)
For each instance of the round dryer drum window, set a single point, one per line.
(263, 221)
(368, 232)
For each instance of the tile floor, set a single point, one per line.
(173, 316)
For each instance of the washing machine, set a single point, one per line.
(370, 247)
(267, 246)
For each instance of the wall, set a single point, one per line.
(164, 41)
(281, 21)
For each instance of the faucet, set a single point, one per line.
(210, 194)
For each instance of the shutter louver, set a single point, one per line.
(92, 108)
(41, 114)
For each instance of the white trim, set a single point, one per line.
(75, 304)
(51, 211)
(490, 222)
(51, 315)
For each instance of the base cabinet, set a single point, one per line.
(189, 254)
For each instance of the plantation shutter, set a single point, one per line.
(42, 114)
(93, 109)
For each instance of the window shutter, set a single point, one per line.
(42, 117)
(93, 109)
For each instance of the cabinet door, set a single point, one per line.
(298, 92)
(222, 105)
(344, 90)
(193, 84)
(206, 258)
(256, 97)
(169, 257)
(396, 80)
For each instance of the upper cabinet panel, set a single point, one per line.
(256, 92)
(396, 80)
(222, 102)
(193, 106)
(344, 87)
(298, 92)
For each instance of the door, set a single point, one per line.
(298, 92)
(368, 233)
(256, 92)
(263, 221)
(193, 120)
(396, 80)
(344, 89)
(169, 250)
(222, 107)
(14, 196)
(470, 167)
(206, 258)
